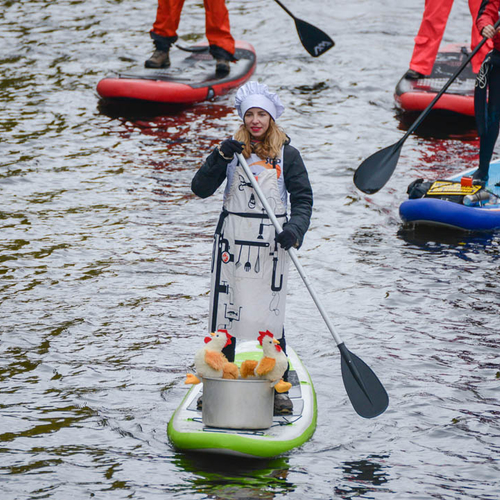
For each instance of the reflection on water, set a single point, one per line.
(437, 239)
(362, 477)
(139, 111)
(440, 125)
(232, 478)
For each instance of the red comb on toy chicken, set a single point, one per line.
(210, 362)
(273, 364)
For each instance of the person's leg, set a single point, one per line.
(476, 37)
(429, 35)
(164, 32)
(283, 346)
(218, 33)
(282, 403)
(168, 16)
(489, 137)
(230, 350)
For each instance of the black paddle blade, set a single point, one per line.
(315, 41)
(377, 169)
(366, 392)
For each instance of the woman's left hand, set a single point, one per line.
(286, 239)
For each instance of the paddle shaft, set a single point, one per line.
(365, 391)
(426, 111)
(285, 9)
(291, 251)
(194, 48)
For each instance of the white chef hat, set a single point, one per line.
(257, 95)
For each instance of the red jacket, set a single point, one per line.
(488, 14)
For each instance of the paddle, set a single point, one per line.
(376, 170)
(367, 394)
(315, 41)
(193, 48)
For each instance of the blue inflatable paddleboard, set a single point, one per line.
(470, 214)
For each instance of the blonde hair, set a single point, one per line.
(268, 147)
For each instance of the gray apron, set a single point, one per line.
(249, 269)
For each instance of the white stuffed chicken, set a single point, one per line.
(210, 362)
(272, 365)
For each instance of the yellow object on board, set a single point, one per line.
(451, 188)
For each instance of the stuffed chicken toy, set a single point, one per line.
(272, 365)
(209, 361)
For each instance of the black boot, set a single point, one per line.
(282, 404)
(480, 175)
(222, 59)
(222, 67)
(411, 74)
(159, 59)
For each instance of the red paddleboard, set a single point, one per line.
(416, 95)
(191, 78)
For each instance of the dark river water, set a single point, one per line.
(104, 264)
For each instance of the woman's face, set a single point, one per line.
(257, 122)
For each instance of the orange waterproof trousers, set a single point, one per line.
(217, 29)
(431, 32)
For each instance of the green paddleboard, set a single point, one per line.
(187, 432)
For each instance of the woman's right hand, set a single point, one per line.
(489, 31)
(229, 147)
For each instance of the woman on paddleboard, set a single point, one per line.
(487, 111)
(249, 260)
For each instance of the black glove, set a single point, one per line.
(286, 238)
(229, 147)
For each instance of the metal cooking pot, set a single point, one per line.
(237, 404)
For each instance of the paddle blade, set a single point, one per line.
(366, 392)
(315, 41)
(377, 169)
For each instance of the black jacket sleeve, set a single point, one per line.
(210, 175)
(301, 197)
